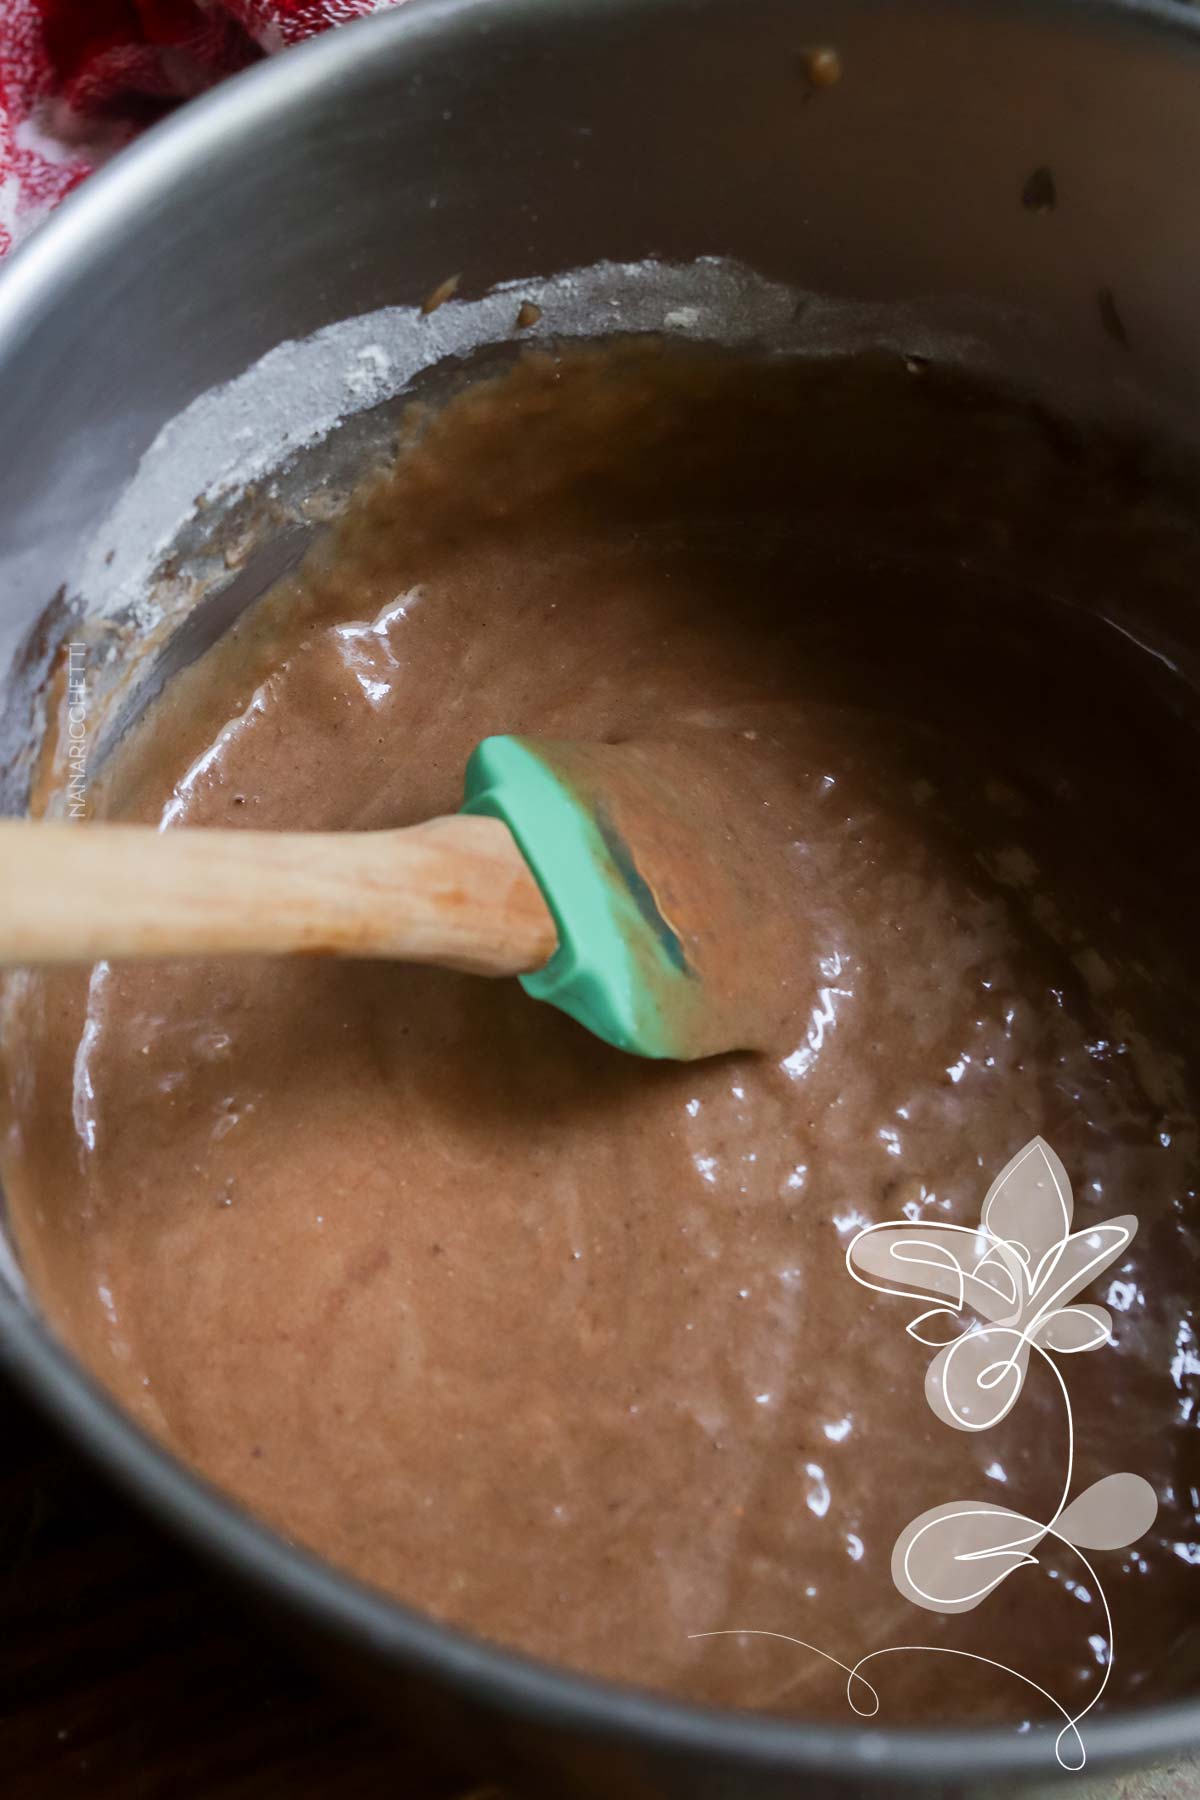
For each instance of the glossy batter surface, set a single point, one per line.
(559, 1345)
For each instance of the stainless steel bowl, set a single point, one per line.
(508, 141)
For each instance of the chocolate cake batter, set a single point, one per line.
(559, 1345)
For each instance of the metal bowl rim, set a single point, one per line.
(294, 1580)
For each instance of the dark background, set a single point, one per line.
(126, 1673)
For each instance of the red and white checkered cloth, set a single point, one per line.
(79, 77)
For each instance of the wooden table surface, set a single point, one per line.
(125, 1674)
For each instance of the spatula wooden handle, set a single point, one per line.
(455, 891)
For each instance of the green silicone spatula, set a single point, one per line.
(580, 869)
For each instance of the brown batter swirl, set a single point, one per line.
(561, 1346)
